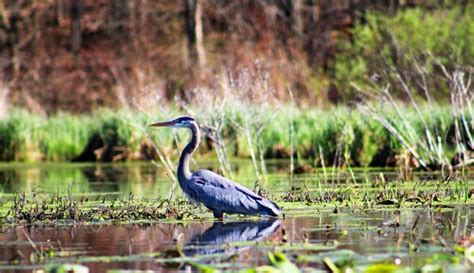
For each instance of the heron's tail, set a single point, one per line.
(271, 208)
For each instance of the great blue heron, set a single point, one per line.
(216, 192)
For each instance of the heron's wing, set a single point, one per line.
(220, 193)
(220, 181)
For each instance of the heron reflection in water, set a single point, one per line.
(216, 192)
(211, 241)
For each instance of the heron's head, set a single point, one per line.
(181, 122)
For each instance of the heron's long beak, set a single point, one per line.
(163, 124)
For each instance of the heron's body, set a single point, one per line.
(221, 195)
(217, 193)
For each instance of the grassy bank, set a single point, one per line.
(337, 136)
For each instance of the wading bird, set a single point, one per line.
(216, 192)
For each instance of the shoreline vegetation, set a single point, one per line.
(339, 136)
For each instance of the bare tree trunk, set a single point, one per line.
(194, 32)
(287, 9)
(362, 10)
(393, 6)
(463, 6)
(310, 31)
(14, 37)
(36, 29)
(133, 18)
(320, 24)
(190, 25)
(357, 10)
(325, 45)
(120, 13)
(59, 11)
(135, 25)
(76, 9)
(298, 11)
(199, 35)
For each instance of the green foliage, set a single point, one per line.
(412, 35)
(113, 129)
(64, 136)
(17, 135)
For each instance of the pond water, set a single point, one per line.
(151, 181)
(404, 236)
(142, 179)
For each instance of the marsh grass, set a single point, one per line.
(336, 139)
(64, 136)
(435, 137)
(19, 139)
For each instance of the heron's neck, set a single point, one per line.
(184, 174)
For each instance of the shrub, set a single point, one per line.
(405, 43)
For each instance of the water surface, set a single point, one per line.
(365, 236)
(150, 181)
(406, 236)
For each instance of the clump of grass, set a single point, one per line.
(426, 132)
(64, 137)
(117, 136)
(18, 134)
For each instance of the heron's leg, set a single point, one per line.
(218, 214)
